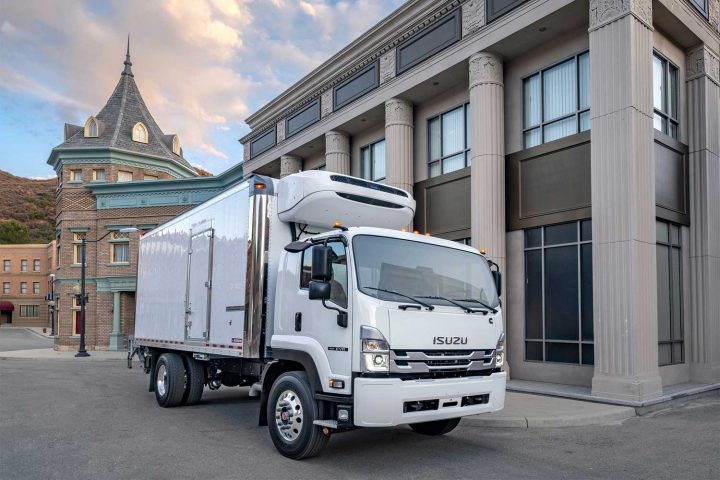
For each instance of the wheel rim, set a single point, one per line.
(162, 380)
(289, 415)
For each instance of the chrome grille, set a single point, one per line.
(424, 361)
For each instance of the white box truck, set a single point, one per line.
(309, 290)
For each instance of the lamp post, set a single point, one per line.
(82, 294)
(51, 303)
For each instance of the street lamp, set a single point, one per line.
(51, 303)
(80, 292)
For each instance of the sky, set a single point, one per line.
(202, 66)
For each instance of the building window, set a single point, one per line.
(6, 288)
(6, 265)
(665, 96)
(124, 176)
(77, 247)
(150, 177)
(556, 101)
(36, 288)
(176, 145)
(669, 294)
(120, 247)
(36, 265)
(140, 133)
(29, 311)
(91, 127)
(23, 288)
(372, 161)
(23, 265)
(76, 175)
(449, 141)
(98, 175)
(75, 316)
(339, 280)
(558, 294)
(702, 6)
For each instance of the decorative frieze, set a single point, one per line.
(326, 103)
(473, 16)
(280, 131)
(485, 68)
(701, 61)
(387, 66)
(603, 12)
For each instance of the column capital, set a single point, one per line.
(603, 12)
(701, 61)
(398, 112)
(337, 142)
(485, 67)
(290, 164)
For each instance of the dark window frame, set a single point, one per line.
(668, 120)
(467, 151)
(371, 159)
(704, 10)
(670, 245)
(543, 123)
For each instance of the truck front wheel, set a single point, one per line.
(291, 411)
(169, 380)
(438, 427)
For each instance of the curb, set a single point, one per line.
(41, 335)
(601, 418)
(49, 354)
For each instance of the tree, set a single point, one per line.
(13, 232)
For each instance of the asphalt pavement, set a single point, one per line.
(71, 419)
(14, 338)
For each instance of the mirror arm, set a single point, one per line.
(342, 317)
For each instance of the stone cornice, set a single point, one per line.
(398, 26)
(116, 155)
(603, 12)
(700, 62)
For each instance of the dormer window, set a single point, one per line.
(91, 127)
(140, 133)
(176, 145)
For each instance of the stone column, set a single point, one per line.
(703, 94)
(290, 164)
(487, 140)
(337, 152)
(623, 201)
(115, 335)
(399, 128)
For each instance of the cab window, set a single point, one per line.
(339, 280)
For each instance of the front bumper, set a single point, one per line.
(380, 402)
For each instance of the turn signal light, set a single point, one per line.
(260, 186)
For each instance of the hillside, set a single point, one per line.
(30, 202)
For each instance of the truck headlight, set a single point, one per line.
(500, 351)
(375, 351)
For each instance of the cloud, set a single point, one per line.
(201, 65)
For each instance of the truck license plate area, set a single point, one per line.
(437, 404)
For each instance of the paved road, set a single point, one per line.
(13, 338)
(68, 419)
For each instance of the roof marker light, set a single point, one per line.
(483, 251)
(416, 231)
(337, 225)
(427, 234)
(403, 229)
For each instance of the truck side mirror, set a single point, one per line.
(321, 263)
(319, 290)
(497, 277)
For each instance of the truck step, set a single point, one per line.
(326, 423)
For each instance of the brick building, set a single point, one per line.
(118, 170)
(24, 283)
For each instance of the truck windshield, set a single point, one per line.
(421, 270)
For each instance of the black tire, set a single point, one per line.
(194, 381)
(310, 439)
(171, 371)
(438, 427)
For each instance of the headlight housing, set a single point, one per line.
(375, 351)
(500, 351)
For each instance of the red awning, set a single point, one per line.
(6, 306)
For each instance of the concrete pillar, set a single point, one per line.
(703, 96)
(116, 335)
(290, 164)
(399, 128)
(623, 201)
(487, 140)
(337, 152)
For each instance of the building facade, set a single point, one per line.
(576, 142)
(118, 171)
(25, 281)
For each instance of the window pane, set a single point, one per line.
(561, 293)
(560, 129)
(339, 280)
(663, 293)
(559, 90)
(533, 294)
(563, 233)
(454, 163)
(534, 351)
(584, 121)
(120, 253)
(588, 354)
(584, 80)
(677, 333)
(306, 276)
(531, 101)
(434, 136)
(677, 352)
(378, 160)
(658, 84)
(435, 169)
(664, 354)
(661, 232)
(453, 131)
(586, 291)
(673, 92)
(365, 163)
(586, 230)
(467, 126)
(673, 129)
(533, 237)
(658, 122)
(533, 138)
(675, 234)
(562, 352)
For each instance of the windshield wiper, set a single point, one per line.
(457, 304)
(419, 302)
(475, 300)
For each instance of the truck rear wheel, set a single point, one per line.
(169, 380)
(438, 427)
(194, 380)
(291, 411)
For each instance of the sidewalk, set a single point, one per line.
(49, 353)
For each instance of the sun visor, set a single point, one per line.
(322, 199)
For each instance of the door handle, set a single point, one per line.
(298, 321)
